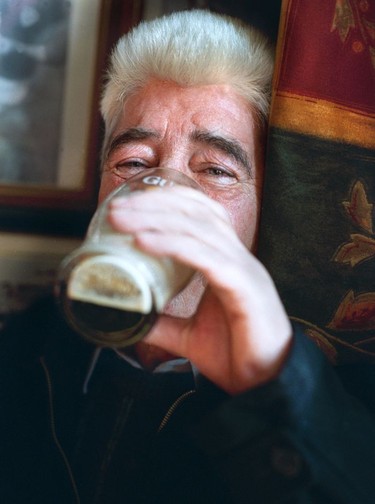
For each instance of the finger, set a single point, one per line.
(172, 225)
(181, 198)
(190, 246)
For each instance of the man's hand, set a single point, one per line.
(240, 334)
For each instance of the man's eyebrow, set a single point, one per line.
(226, 145)
(128, 136)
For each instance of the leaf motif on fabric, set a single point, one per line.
(343, 19)
(370, 28)
(355, 313)
(348, 17)
(360, 248)
(359, 208)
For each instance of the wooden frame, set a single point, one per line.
(49, 121)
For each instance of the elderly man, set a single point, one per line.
(223, 401)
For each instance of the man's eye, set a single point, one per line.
(131, 164)
(126, 169)
(216, 177)
(219, 172)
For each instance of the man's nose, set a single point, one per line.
(174, 155)
(175, 163)
(178, 161)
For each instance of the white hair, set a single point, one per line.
(190, 48)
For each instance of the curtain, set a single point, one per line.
(317, 234)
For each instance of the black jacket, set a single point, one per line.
(136, 437)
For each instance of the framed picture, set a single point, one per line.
(52, 54)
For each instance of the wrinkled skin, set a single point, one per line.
(229, 321)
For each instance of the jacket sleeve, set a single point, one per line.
(301, 438)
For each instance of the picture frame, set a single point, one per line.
(50, 76)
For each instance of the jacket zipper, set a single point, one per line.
(181, 399)
(54, 434)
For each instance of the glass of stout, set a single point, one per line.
(110, 291)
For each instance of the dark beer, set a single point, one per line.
(109, 290)
(107, 326)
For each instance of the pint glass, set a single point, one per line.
(110, 291)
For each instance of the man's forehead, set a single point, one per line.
(200, 102)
